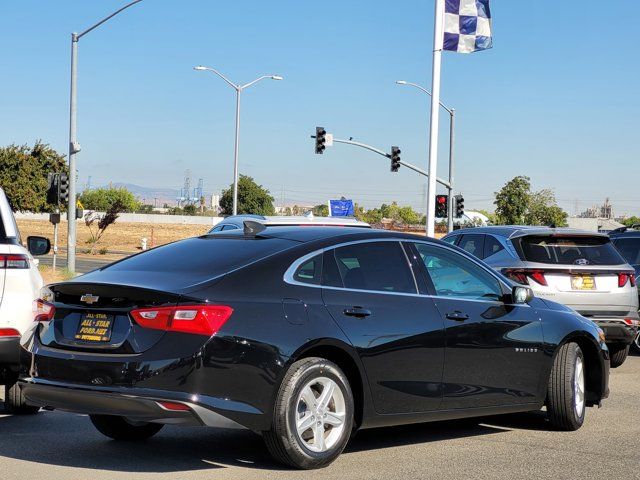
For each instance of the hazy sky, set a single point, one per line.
(556, 99)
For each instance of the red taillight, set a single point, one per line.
(9, 332)
(538, 276)
(174, 406)
(43, 311)
(522, 276)
(13, 262)
(196, 319)
(624, 277)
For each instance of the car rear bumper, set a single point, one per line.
(616, 330)
(134, 404)
(10, 352)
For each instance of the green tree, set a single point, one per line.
(516, 204)
(190, 209)
(321, 210)
(543, 210)
(631, 221)
(512, 201)
(252, 198)
(23, 175)
(102, 199)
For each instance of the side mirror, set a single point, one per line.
(38, 246)
(521, 295)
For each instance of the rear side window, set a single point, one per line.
(474, 244)
(378, 266)
(568, 250)
(629, 248)
(310, 271)
(491, 246)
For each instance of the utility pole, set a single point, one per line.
(74, 147)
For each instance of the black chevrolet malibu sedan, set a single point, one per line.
(304, 335)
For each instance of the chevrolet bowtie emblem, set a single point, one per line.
(88, 298)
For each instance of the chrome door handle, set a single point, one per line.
(457, 316)
(357, 312)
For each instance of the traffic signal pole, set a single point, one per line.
(410, 166)
(451, 170)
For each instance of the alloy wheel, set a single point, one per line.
(578, 387)
(320, 414)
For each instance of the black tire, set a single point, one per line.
(283, 441)
(562, 410)
(119, 428)
(636, 343)
(618, 354)
(15, 403)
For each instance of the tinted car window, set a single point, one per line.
(491, 246)
(452, 239)
(567, 250)
(629, 248)
(474, 244)
(379, 266)
(217, 228)
(310, 271)
(453, 275)
(229, 227)
(201, 258)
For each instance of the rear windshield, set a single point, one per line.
(202, 258)
(578, 250)
(629, 248)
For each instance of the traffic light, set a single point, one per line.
(442, 204)
(459, 206)
(395, 159)
(320, 140)
(63, 188)
(52, 188)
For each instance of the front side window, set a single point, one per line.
(377, 266)
(453, 275)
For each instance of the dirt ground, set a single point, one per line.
(124, 237)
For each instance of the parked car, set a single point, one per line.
(20, 284)
(627, 242)
(236, 222)
(305, 335)
(576, 268)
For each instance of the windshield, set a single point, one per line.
(629, 248)
(568, 250)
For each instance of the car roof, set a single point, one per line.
(515, 231)
(304, 234)
(310, 219)
(627, 233)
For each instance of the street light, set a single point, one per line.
(452, 114)
(238, 88)
(74, 146)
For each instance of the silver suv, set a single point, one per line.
(582, 270)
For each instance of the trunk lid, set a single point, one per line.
(81, 307)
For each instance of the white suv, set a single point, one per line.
(20, 284)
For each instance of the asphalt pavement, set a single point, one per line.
(54, 445)
(83, 265)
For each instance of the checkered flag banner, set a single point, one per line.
(467, 26)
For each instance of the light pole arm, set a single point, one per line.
(385, 154)
(255, 81)
(213, 70)
(77, 37)
(420, 87)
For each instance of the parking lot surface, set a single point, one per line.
(54, 445)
